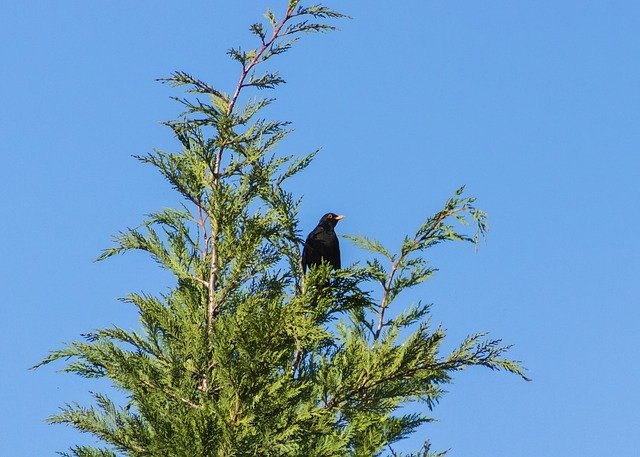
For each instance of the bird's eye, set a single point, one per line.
(330, 216)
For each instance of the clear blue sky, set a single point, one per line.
(534, 105)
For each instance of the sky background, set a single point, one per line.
(534, 105)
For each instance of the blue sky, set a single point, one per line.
(535, 106)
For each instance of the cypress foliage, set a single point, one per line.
(246, 356)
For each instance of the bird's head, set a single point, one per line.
(330, 220)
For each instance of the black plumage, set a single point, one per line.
(322, 243)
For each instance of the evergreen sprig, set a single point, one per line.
(245, 355)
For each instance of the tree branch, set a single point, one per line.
(385, 298)
(174, 395)
(395, 265)
(246, 69)
(296, 359)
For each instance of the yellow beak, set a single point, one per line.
(340, 217)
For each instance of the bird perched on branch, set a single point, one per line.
(322, 243)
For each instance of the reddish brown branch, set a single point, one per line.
(246, 69)
(394, 268)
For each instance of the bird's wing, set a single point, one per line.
(336, 262)
(312, 245)
(316, 234)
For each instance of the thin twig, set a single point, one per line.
(213, 274)
(174, 395)
(200, 280)
(385, 297)
(394, 267)
(246, 69)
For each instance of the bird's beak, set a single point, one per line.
(340, 217)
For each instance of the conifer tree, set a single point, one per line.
(245, 355)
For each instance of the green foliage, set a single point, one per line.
(246, 356)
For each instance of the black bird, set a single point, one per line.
(322, 244)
